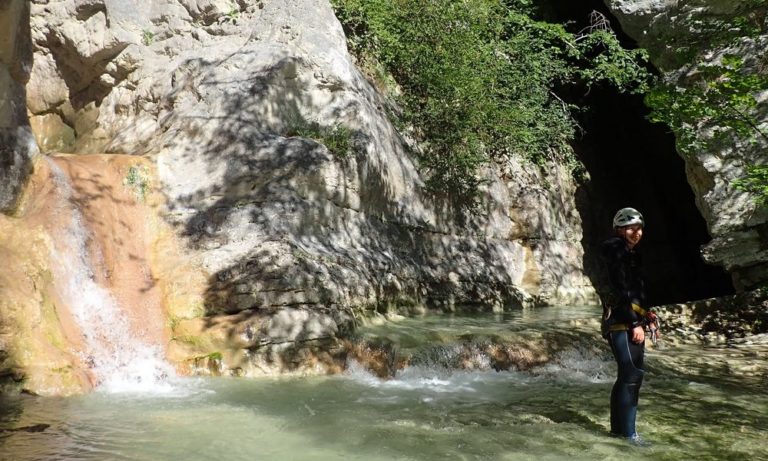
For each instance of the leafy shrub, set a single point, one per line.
(477, 81)
(755, 182)
(147, 37)
(337, 139)
(720, 96)
(715, 102)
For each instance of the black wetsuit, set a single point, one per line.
(625, 287)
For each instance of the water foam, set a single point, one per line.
(580, 364)
(432, 379)
(120, 361)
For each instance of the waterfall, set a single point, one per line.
(119, 360)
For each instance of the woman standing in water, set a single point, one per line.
(624, 318)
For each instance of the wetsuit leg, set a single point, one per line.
(626, 389)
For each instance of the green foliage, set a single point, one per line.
(609, 62)
(147, 37)
(720, 96)
(715, 104)
(138, 180)
(477, 80)
(756, 183)
(337, 139)
(707, 28)
(173, 322)
(215, 356)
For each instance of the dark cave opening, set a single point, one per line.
(632, 162)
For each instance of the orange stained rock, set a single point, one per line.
(134, 254)
(119, 215)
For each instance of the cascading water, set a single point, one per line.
(119, 359)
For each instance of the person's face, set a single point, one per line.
(632, 234)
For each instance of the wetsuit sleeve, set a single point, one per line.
(616, 257)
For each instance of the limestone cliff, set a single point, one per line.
(214, 92)
(237, 104)
(681, 37)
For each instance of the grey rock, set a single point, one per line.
(214, 91)
(719, 320)
(17, 145)
(735, 221)
(291, 232)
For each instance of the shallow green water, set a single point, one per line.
(690, 409)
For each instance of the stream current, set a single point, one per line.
(696, 403)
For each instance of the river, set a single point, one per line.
(696, 403)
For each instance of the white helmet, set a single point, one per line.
(628, 217)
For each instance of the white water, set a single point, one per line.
(578, 364)
(430, 380)
(119, 360)
(573, 365)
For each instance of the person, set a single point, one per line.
(624, 318)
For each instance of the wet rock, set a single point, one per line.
(469, 352)
(17, 145)
(32, 428)
(380, 357)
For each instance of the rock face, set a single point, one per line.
(39, 344)
(295, 192)
(673, 31)
(17, 145)
(217, 93)
(91, 275)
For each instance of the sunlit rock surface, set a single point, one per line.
(235, 107)
(217, 96)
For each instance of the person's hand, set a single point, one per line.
(638, 335)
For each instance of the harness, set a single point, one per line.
(650, 322)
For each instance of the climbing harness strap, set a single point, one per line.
(639, 310)
(650, 322)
